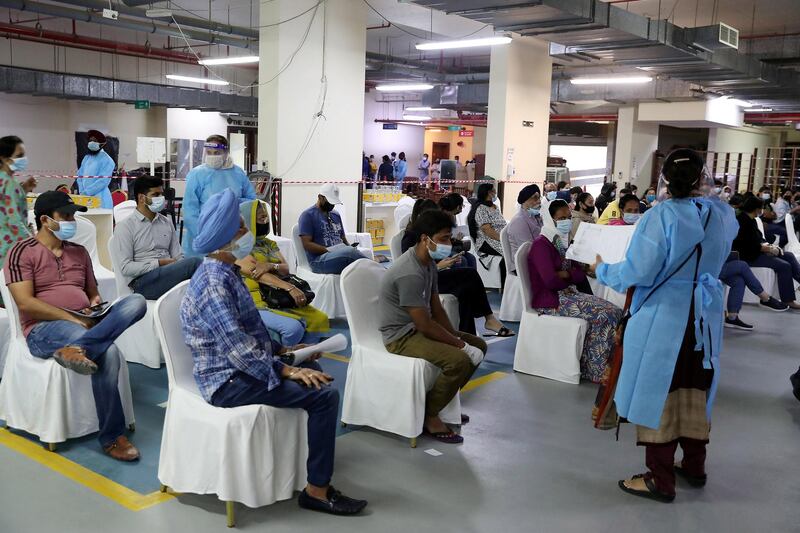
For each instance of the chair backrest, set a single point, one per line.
(395, 245)
(15, 326)
(360, 284)
(461, 218)
(760, 225)
(521, 261)
(86, 236)
(401, 215)
(123, 210)
(507, 255)
(792, 236)
(177, 355)
(340, 208)
(119, 279)
(300, 252)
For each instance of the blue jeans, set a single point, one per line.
(321, 405)
(786, 269)
(334, 262)
(158, 281)
(736, 275)
(290, 330)
(98, 342)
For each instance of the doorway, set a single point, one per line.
(250, 144)
(441, 151)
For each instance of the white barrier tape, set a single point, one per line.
(291, 182)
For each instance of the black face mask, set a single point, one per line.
(589, 209)
(262, 229)
(327, 207)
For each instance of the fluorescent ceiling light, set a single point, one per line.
(399, 87)
(416, 117)
(465, 43)
(740, 103)
(425, 108)
(207, 81)
(238, 60)
(758, 110)
(611, 81)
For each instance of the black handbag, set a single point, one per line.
(276, 298)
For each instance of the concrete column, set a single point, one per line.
(519, 90)
(636, 143)
(310, 129)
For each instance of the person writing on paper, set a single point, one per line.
(99, 166)
(281, 302)
(553, 284)
(629, 211)
(673, 339)
(216, 174)
(237, 363)
(322, 234)
(49, 277)
(146, 244)
(414, 324)
(584, 213)
(526, 225)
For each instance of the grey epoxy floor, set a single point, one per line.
(531, 462)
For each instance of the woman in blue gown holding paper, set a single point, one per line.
(673, 338)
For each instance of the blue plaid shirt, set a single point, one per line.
(224, 331)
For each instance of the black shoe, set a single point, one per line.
(737, 324)
(774, 305)
(795, 380)
(337, 503)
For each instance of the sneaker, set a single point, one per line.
(735, 323)
(774, 305)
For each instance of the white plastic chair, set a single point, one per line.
(5, 338)
(138, 343)
(86, 236)
(760, 224)
(254, 454)
(383, 390)
(511, 304)
(363, 239)
(461, 218)
(548, 346)
(793, 245)
(43, 398)
(395, 247)
(328, 296)
(123, 210)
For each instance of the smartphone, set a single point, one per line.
(98, 307)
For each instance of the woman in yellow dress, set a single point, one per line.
(273, 271)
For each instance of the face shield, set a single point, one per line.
(217, 156)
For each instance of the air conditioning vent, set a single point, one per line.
(728, 36)
(717, 37)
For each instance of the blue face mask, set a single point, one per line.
(93, 146)
(564, 226)
(442, 251)
(20, 164)
(66, 229)
(157, 204)
(631, 218)
(651, 198)
(552, 195)
(534, 211)
(243, 245)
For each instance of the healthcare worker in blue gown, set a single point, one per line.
(216, 174)
(96, 163)
(673, 339)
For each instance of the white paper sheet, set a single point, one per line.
(336, 343)
(609, 242)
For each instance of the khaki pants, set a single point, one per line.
(455, 365)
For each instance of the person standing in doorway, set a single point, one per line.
(424, 167)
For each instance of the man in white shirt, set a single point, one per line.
(147, 247)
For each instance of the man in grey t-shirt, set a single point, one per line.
(414, 324)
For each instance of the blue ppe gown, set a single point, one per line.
(99, 164)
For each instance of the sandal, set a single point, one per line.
(651, 493)
(694, 481)
(502, 332)
(447, 437)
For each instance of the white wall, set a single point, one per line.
(194, 124)
(479, 141)
(48, 126)
(744, 140)
(380, 142)
(636, 142)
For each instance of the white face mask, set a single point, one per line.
(215, 161)
(157, 204)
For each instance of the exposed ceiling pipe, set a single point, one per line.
(771, 117)
(146, 27)
(482, 121)
(188, 22)
(70, 40)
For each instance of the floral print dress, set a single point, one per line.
(601, 319)
(13, 215)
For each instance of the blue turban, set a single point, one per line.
(218, 222)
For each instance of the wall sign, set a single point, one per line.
(527, 123)
(466, 133)
(142, 104)
(389, 126)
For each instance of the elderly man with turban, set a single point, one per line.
(526, 225)
(235, 361)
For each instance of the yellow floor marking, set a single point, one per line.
(483, 380)
(130, 499)
(340, 358)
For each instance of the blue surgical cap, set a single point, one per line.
(218, 222)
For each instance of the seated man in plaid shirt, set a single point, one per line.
(235, 361)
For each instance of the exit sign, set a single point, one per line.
(454, 128)
(142, 104)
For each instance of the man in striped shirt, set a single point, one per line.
(48, 277)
